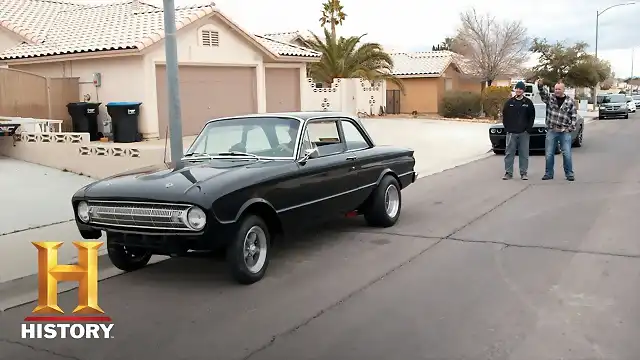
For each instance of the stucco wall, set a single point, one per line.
(120, 80)
(424, 94)
(345, 95)
(8, 40)
(421, 95)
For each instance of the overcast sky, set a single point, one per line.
(414, 25)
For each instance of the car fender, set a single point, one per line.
(385, 172)
(244, 207)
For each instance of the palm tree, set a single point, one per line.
(348, 58)
(332, 14)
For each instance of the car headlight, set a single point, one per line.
(493, 131)
(541, 130)
(623, 106)
(83, 212)
(196, 218)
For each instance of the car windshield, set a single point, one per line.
(541, 110)
(528, 89)
(614, 98)
(270, 137)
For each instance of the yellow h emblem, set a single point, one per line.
(85, 273)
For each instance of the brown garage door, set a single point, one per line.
(207, 92)
(283, 89)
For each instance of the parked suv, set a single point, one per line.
(613, 106)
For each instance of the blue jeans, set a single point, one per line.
(518, 142)
(553, 137)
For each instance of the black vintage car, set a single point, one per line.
(498, 137)
(243, 182)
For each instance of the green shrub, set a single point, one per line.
(460, 104)
(493, 99)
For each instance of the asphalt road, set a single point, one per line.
(477, 268)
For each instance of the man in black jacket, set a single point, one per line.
(517, 117)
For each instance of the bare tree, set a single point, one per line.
(491, 48)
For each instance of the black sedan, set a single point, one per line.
(243, 182)
(498, 137)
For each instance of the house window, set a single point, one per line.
(209, 38)
(448, 84)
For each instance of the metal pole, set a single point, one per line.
(173, 88)
(595, 91)
(632, 58)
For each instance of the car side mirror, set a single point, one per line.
(308, 154)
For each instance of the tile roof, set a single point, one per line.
(286, 37)
(54, 27)
(285, 48)
(427, 63)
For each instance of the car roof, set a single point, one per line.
(302, 115)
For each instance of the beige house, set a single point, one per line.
(426, 76)
(223, 69)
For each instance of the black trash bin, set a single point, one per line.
(124, 121)
(84, 118)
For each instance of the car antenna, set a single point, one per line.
(166, 138)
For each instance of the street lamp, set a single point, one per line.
(598, 13)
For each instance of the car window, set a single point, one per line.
(325, 136)
(636, 97)
(614, 98)
(283, 134)
(261, 136)
(257, 140)
(353, 137)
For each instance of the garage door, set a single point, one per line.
(283, 89)
(207, 92)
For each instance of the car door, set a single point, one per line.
(364, 167)
(321, 181)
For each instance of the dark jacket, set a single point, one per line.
(518, 115)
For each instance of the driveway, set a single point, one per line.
(438, 144)
(35, 206)
(476, 268)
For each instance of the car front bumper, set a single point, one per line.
(618, 113)
(536, 142)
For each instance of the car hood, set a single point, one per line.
(184, 181)
(536, 122)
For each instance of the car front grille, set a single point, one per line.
(612, 108)
(141, 215)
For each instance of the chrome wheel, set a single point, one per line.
(255, 249)
(392, 201)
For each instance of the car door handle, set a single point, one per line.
(352, 157)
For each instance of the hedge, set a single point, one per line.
(493, 99)
(460, 104)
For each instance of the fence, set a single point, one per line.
(345, 95)
(27, 95)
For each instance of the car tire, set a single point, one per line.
(626, 116)
(498, 152)
(127, 259)
(578, 141)
(252, 235)
(385, 203)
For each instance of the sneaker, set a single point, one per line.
(571, 178)
(507, 176)
(524, 177)
(547, 177)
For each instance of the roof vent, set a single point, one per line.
(209, 38)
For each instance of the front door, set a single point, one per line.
(324, 181)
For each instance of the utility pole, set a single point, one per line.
(173, 87)
(598, 13)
